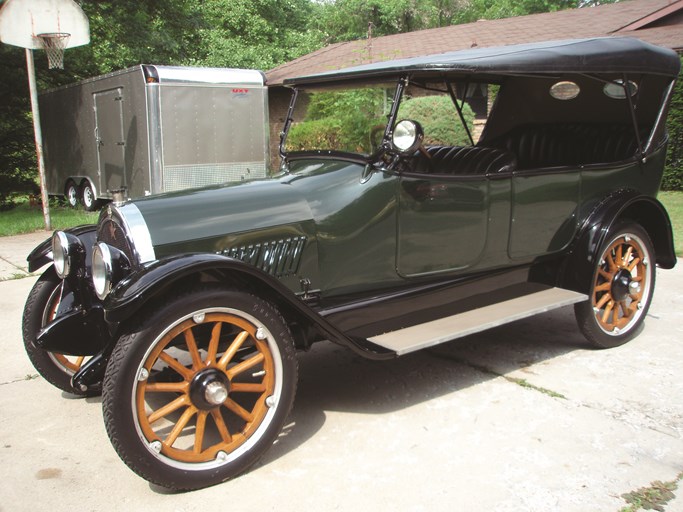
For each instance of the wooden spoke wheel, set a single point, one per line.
(622, 288)
(201, 390)
(40, 309)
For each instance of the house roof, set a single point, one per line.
(656, 21)
(595, 55)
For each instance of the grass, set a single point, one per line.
(26, 218)
(673, 201)
(654, 497)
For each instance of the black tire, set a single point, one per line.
(71, 194)
(90, 202)
(234, 426)
(40, 308)
(621, 289)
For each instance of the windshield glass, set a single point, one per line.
(354, 120)
(349, 120)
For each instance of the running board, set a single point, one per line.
(432, 333)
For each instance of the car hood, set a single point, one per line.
(209, 214)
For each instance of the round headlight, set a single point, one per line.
(60, 254)
(101, 269)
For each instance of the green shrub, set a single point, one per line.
(439, 119)
(340, 120)
(673, 171)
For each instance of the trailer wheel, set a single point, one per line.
(71, 193)
(90, 202)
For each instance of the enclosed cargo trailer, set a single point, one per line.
(151, 129)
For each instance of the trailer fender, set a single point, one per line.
(144, 286)
(625, 204)
(42, 254)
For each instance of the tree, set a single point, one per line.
(254, 33)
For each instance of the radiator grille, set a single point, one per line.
(111, 233)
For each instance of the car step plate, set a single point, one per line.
(449, 328)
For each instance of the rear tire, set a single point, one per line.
(197, 392)
(622, 287)
(90, 202)
(71, 194)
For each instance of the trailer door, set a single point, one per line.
(111, 145)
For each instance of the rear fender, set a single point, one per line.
(626, 204)
(143, 287)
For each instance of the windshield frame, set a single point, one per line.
(383, 148)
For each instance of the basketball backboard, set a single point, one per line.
(21, 21)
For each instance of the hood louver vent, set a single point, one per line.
(279, 258)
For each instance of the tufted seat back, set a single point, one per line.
(550, 145)
(470, 160)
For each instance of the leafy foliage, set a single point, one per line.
(339, 120)
(346, 20)
(673, 171)
(439, 119)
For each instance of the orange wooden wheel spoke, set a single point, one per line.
(607, 312)
(213, 344)
(637, 279)
(610, 261)
(243, 387)
(232, 350)
(180, 425)
(245, 365)
(633, 264)
(604, 274)
(175, 364)
(199, 431)
(604, 287)
(167, 387)
(239, 410)
(627, 256)
(603, 300)
(221, 426)
(192, 348)
(620, 254)
(169, 408)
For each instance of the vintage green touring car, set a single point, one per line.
(386, 230)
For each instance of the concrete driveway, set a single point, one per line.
(520, 418)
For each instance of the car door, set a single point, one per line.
(544, 211)
(442, 223)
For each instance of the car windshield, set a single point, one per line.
(349, 120)
(353, 120)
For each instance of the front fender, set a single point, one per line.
(143, 286)
(42, 254)
(625, 204)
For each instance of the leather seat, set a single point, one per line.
(554, 145)
(469, 160)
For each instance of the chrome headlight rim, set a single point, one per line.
(102, 270)
(109, 267)
(67, 253)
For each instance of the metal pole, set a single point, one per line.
(38, 136)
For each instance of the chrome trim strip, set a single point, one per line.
(137, 231)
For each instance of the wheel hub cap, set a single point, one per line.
(621, 285)
(209, 388)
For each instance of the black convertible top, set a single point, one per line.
(585, 56)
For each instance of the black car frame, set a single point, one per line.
(186, 310)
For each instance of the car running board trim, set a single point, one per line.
(432, 333)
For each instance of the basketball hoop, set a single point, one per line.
(54, 44)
